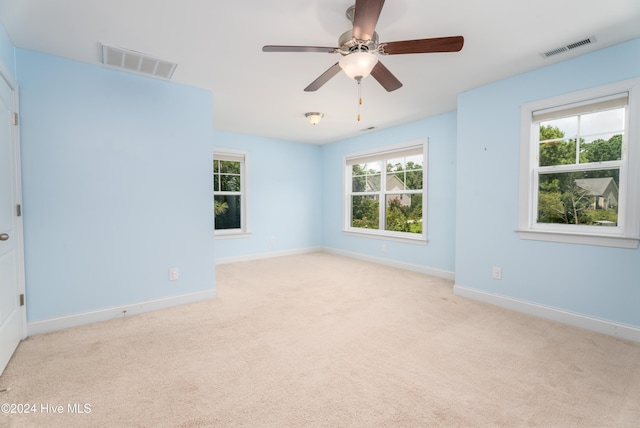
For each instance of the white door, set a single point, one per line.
(12, 313)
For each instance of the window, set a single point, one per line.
(579, 162)
(230, 192)
(384, 192)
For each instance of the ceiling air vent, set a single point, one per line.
(137, 62)
(568, 47)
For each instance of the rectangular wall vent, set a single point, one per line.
(568, 47)
(137, 62)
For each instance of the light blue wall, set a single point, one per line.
(116, 186)
(597, 281)
(285, 183)
(117, 189)
(7, 52)
(441, 189)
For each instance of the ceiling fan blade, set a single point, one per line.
(385, 77)
(276, 48)
(365, 18)
(438, 44)
(324, 78)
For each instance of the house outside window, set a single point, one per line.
(385, 192)
(578, 173)
(230, 190)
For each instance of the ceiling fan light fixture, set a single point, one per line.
(314, 117)
(358, 64)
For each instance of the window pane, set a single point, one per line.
(395, 164)
(230, 183)
(404, 213)
(414, 162)
(560, 152)
(382, 191)
(373, 168)
(414, 179)
(227, 211)
(405, 173)
(230, 167)
(366, 168)
(365, 212)
(602, 122)
(359, 184)
(373, 183)
(586, 197)
(216, 166)
(559, 128)
(395, 181)
(366, 177)
(601, 148)
(216, 182)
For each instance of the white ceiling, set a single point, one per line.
(217, 45)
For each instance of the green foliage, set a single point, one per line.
(362, 176)
(220, 207)
(560, 199)
(229, 167)
(365, 212)
(396, 216)
(411, 176)
(365, 209)
(556, 150)
(603, 150)
(576, 202)
(550, 207)
(226, 176)
(226, 211)
(603, 215)
(404, 218)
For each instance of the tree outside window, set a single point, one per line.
(579, 168)
(229, 193)
(385, 194)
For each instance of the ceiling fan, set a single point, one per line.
(359, 46)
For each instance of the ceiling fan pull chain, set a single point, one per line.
(359, 97)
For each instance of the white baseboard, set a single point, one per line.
(60, 323)
(260, 256)
(611, 328)
(393, 263)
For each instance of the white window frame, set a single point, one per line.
(242, 157)
(627, 233)
(383, 153)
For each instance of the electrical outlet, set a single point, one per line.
(496, 272)
(173, 274)
(384, 248)
(272, 240)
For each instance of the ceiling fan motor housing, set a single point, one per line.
(349, 44)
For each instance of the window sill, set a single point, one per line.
(387, 236)
(579, 238)
(232, 235)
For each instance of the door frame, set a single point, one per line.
(13, 85)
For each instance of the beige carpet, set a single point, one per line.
(322, 341)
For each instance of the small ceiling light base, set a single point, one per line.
(314, 117)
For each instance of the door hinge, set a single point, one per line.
(18, 210)
(22, 300)
(15, 120)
